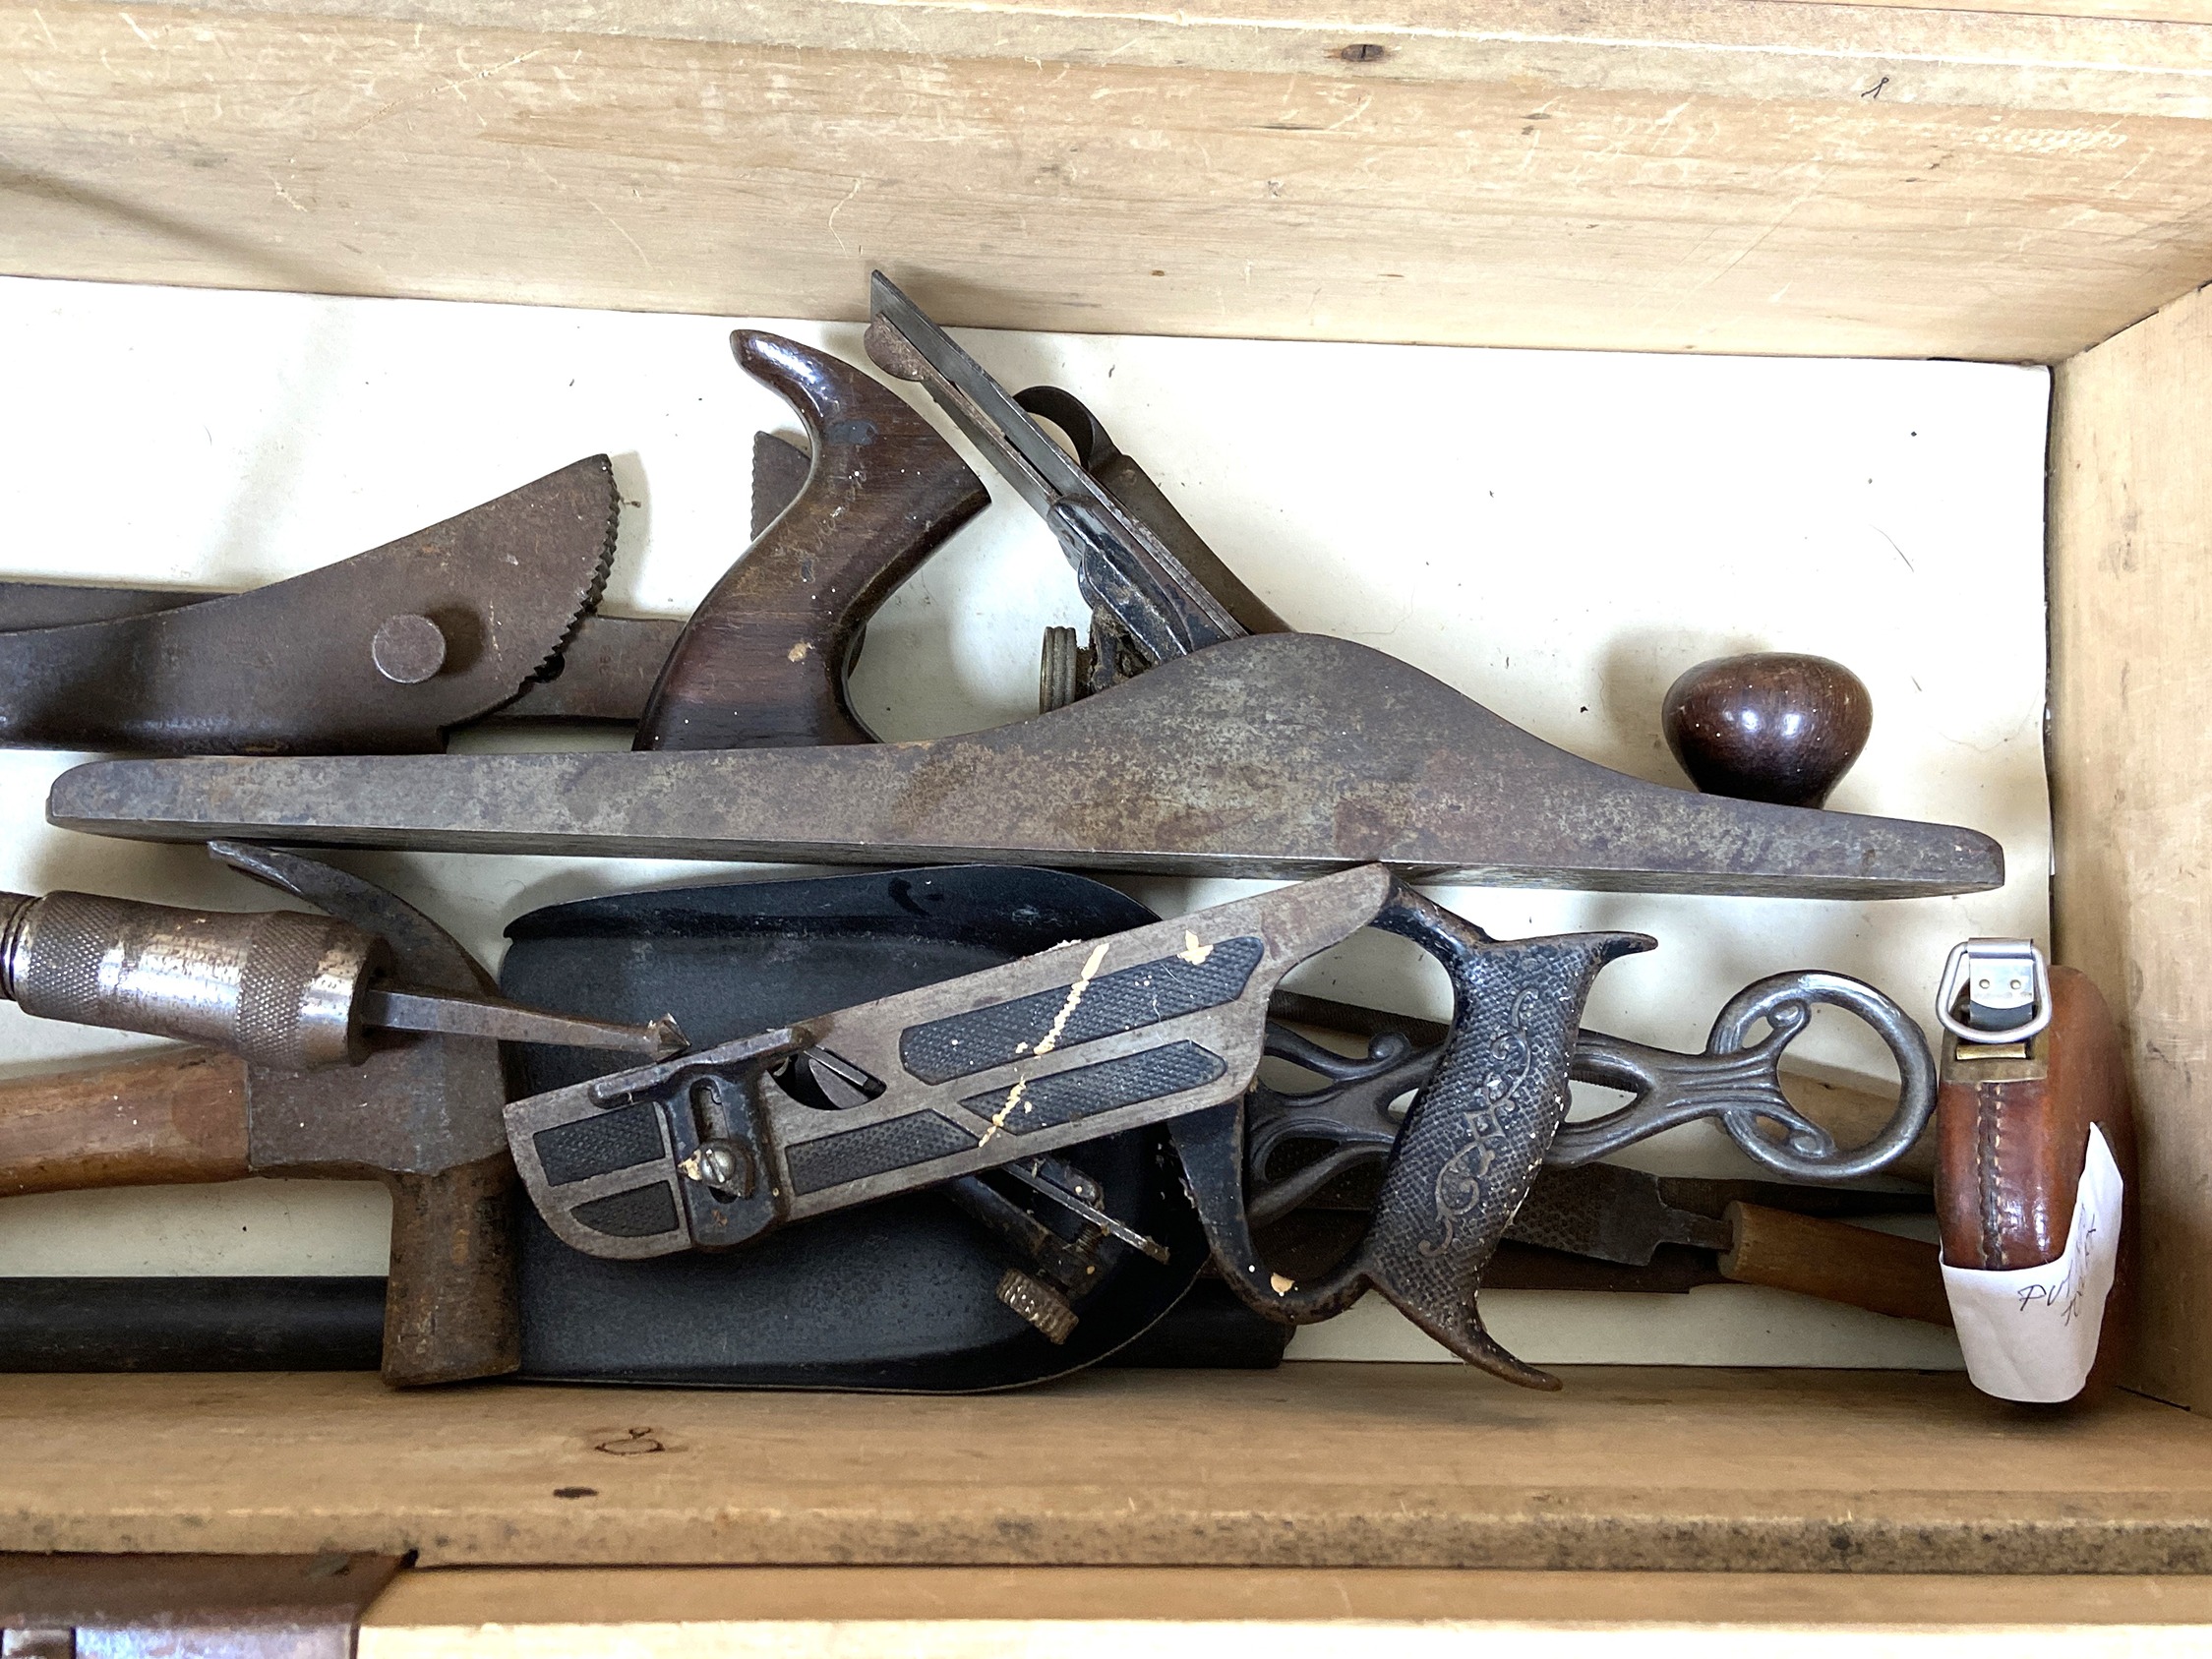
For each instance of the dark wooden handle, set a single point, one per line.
(180, 1116)
(453, 1307)
(1770, 726)
(762, 662)
(1837, 1262)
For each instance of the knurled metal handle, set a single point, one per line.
(275, 987)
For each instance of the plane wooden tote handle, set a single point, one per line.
(1837, 1262)
(762, 662)
(179, 1116)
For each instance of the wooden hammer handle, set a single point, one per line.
(180, 1116)
(1837, 1262)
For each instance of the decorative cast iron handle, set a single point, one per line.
(1469, 1149)
(1736, 1080)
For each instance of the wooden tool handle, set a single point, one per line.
(180, 1116)
(762, 664)
(1837, 1262)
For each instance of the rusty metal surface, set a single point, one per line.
(417, 1105)
(292, 666)
(212, 1606)
(1613, 1213)
(605, 671)
(1137, 588)
(1271, 755)
(33, 605)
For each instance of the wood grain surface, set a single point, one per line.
(524, 1596)
(1837, 1262)
(1712, 175)
(2130, 774)
(857, 1613)
(180, 1116)
(1416, 1465)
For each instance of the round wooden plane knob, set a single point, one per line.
(1770, 726)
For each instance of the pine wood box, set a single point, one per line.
(2026, 180)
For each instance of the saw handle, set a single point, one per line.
(177, 1117)
(762, 662)
(1466, 1154)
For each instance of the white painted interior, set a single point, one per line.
(1559, 534)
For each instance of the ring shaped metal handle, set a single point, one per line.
(1737, 1081)
(1784, 999)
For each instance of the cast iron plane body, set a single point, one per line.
(1272, 756)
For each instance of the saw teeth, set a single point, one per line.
(587, 601)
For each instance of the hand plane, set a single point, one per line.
(910, 1292)
(1159, 1025)
(1212, 742)
(1166, 1024)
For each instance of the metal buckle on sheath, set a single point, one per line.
(1993, 979)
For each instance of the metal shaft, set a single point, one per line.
(396, 1009)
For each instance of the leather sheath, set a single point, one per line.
(2009, 1153)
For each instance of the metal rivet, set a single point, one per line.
(408, 650)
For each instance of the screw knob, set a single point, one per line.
(1770, 726)
(1038, 1303)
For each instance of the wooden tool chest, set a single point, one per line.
(2026, 180)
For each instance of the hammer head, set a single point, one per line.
(422, 1115)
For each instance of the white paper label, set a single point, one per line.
(2031, 1333)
